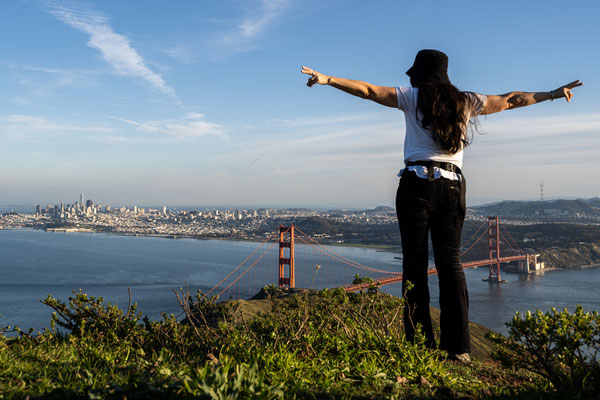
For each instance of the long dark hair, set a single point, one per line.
(444, 110)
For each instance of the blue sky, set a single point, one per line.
(202, 102)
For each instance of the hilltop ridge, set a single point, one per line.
(556, 210)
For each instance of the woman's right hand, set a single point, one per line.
(316, 77)
(565, 91)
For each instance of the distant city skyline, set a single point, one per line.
(223, 207)
(202, 103)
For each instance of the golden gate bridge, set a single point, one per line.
(290, 258)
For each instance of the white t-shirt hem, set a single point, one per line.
(422, 172)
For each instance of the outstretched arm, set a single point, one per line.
(379, 94)
(512, 100)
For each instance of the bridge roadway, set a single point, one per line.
(430, 271)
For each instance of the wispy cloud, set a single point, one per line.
(32, 154)
(260, 15)
(267, 12)
(375, 141)
(190, 126)
(181, 53)
(234, 34)
(138, 124)
(335, 131)
(326, 120)
(257, 159)
(329, 143)
(19, 126)
(115, 48)
(39, 82)
(526, 138)
(37, 69)
(503, 127)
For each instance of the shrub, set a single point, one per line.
(361, 280)
(85, 314)
(358, 280)
(91, 318)
(563, 347)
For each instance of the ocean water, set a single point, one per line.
(34, 264)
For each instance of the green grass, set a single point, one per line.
(306, 344)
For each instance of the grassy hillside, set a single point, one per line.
(578, 255)
(306, 344)
(261, 306)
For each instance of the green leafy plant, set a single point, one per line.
(226, 381)
(271, 289)
(561, 346)
(362, 280)
(88, 314)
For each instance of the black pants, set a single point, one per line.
(436, 207)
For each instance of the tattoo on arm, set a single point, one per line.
(516, 100)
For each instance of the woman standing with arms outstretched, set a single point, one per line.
(431, 195)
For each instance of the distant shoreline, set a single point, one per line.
(380, 248)
(383, 248)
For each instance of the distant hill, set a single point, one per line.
(318, 224)
(384, 208)
(589, 208)
(378, 209)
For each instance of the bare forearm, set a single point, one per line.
(508, 101)
(512, 100)
(522, 99)
(355, 88)
(379, 94)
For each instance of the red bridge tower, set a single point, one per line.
(286, 240)
(494, 249)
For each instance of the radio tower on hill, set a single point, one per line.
(542, 191)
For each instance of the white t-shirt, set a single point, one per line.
(419, 143)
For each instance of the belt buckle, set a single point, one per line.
(430, 172)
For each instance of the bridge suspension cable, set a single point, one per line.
(475, 242)
(247, 269)
(511, 238)
(311, 249)
(243, 262)
(305, 238)
(508, 243)
(473, 235)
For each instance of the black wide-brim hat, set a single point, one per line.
(430, 66)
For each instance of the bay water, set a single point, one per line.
(34, 264)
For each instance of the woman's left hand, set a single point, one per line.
(316, 77)
(565, 91)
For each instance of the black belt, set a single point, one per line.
(430, 164)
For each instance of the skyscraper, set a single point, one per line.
(81, 201)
